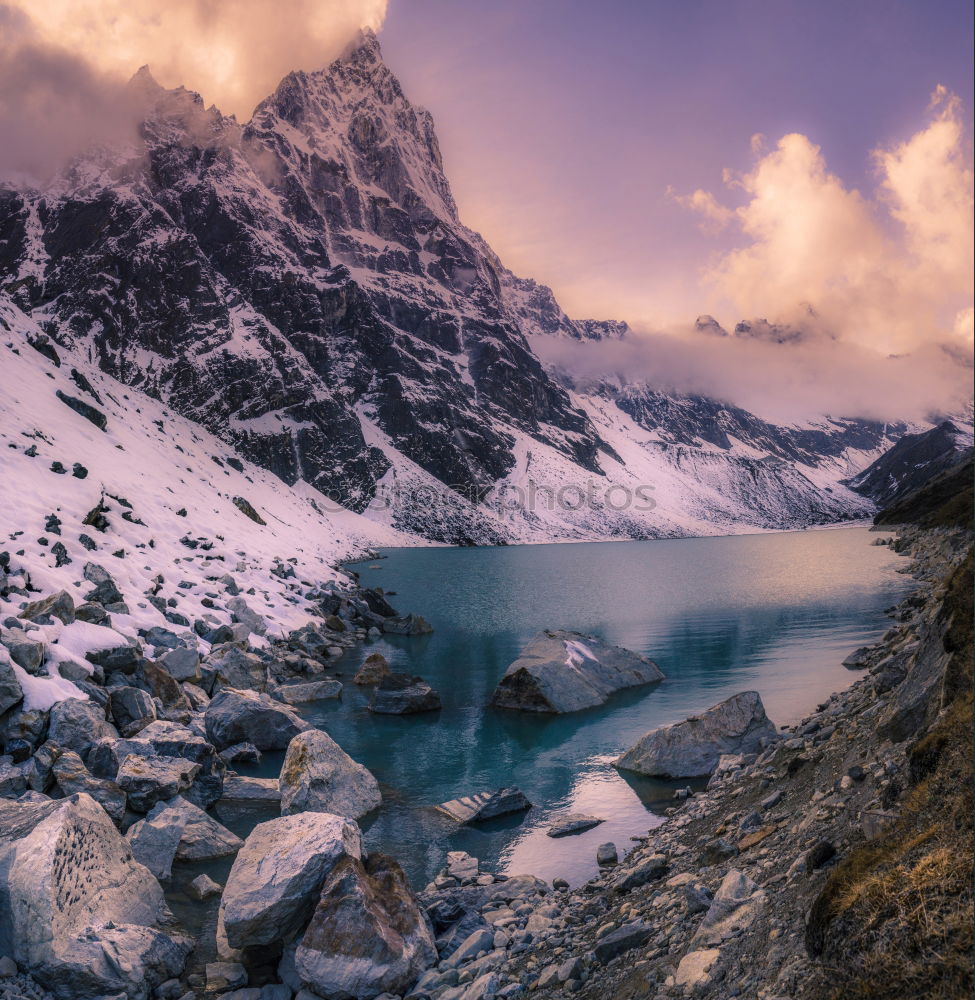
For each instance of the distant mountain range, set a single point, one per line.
(302, 287)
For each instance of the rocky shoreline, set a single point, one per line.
(714, 903)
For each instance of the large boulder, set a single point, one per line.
(229, 666)
(403, 694)
(367, 935)
(567, 671)
(77, 911)
(26, 652)
(319, 776)
(77, 725)
(692, 748)
(248, 717)
(276, 878)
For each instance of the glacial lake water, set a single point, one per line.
(776, 613)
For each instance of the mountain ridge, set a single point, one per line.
(302, 286)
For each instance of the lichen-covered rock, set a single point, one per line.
(367, 935)
(373, 669)
(319, 776)
(692, 748)
(567, 671)
(79, 913)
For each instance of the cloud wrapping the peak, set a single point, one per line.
(891, 272)
(63, 63)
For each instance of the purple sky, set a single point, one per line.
(564, 122)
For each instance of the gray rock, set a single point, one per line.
(230, 667)
(693, 747)
(621, 940)
(13, 778)
(238, 788)
(276, 878)
(148, 779)
(480, 940)
(59, 605)
(240, 609)
(72, 777)
(77, 725)
(182, 664)
(80, 912)
(132, 709)
(486, 805)
(572, 823)
(298, 694)
(246, 752)
(648, 870)
(568, 671)
(223, 976)
(27, 653)
(247, 717)
(407, 625)
(736, 904)
(403, 694)
(154, 840)
(202, 887)
(367, 934)
(606, 854)
(105, 590)
(10, 689)
(319, 776)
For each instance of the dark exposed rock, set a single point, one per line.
(402, 694)
(86, 410)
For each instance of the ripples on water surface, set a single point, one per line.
(776, 613)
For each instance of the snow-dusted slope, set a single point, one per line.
(167, 489)
(302, 287)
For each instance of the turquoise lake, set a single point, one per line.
(776, 613)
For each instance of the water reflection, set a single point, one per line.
(776, 613)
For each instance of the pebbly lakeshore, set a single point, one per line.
(762, 885)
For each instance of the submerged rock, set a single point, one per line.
(401, 694)
(367, 935)
(486, 805)
(407, 625)
(692, 748)
(572, 823)
(567, 671)
(319, 776)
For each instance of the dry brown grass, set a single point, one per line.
(894, 921)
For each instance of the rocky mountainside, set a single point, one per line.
(302, 287)
(914, 461)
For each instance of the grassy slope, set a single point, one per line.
(894, 921)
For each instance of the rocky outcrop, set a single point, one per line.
(367, 934)
(248, 717)
(567, 671)
(319, 776)
(78, 912)
(692, 748)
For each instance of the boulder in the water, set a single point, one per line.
(572, 823)
(374, 668)
(486, 805)
(561, 672)
(319, 776)
(402, 694)
(692, 748)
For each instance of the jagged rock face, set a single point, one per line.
(302, 286)
(912, 462)
(266, 280)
